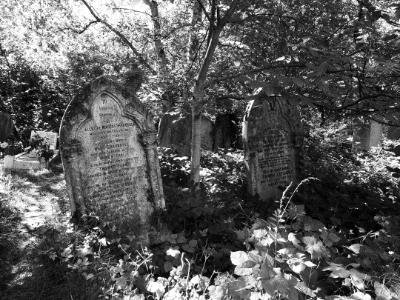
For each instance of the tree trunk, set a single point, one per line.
(197, 104)
(158, 45)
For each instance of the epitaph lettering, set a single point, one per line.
(108, 149)
(272, 139)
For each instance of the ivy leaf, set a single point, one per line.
(315, 247)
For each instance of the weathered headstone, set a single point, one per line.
(225, 131)
(366, 135)
(174, 131)
(7, 128)
(272, 137)
(49, 138)
(108, 149)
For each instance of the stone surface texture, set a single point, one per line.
(272, 137)
(108, 149)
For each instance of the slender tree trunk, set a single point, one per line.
(197, 104)
(158, 45)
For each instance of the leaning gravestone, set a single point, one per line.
(272, 136)
(109, 155)
(175, 131)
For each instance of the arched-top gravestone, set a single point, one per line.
(109, 154)
(272, 136)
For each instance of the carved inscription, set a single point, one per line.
(115, 161)
(271, 146)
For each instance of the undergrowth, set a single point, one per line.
(333, 236)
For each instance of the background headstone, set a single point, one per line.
(272, 138)
(175, 131)
(366, 135)
(225, 132)
(108, 150)
(7, 128)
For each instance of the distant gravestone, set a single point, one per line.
(366, 135)
(7, 128)
(225, 132)
(175, 131)
(272, 137)
(109, 155)
(393, 133)
(49, 138)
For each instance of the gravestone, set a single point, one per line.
(7, 128)
(366, 135)
(108, 149)
(49, 138)
(272, 137)
(225, 132)
(393, 133)
(175, 131)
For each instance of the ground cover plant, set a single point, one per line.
(335, 235)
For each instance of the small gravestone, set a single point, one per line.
(366, 135)
(175, 131)
(109, 155)
(225, 132)
(272, 137)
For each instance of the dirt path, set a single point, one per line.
(38, 208)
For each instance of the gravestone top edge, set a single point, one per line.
(78, 108)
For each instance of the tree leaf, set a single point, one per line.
(238, 258)
(315, 247)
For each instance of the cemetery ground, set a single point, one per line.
(335, 236)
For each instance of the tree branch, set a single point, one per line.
(141, 59)
(86, 27)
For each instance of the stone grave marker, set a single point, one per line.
(272, 137)
(225, 132)
(108, 149)
(7, 128)
(366, 135)
(174, 131)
